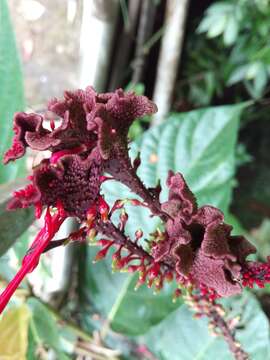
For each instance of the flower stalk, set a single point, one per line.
(31, 259)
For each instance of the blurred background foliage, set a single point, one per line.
(216, 133)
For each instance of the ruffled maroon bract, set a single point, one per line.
(199, 243)
(92, 134)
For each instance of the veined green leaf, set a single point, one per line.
(11, 97)
(180, 336)
(12, 223)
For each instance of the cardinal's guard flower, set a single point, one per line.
(195, 247)
(91, 139)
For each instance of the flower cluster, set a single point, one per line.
(256, 273)
(198, 243)
(195, 248)
(91, 139)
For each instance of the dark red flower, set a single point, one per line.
(89, 119)
(73, 180)
(92, 134)
(198, 242)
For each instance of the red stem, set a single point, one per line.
(30, 261)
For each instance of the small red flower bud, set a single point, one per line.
(117, 254)
(103, 209)
(104, 242)
(91, 216)
(159, 283)
(123, 219)
(102, 253)
(153, 272)
(118, 205)
(91, 235)
(133, 268)
(137, 162)
(138, 234)
(176, 294)
(169, 276)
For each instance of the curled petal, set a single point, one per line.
(24, 126)
(215, 274)
(181, 202)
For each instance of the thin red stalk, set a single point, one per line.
(30, 261)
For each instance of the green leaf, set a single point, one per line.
(218, 26)
(231, 31)
(112, 294)
(44, 331)
(12, 223)
(180, 336)
(252, 195)
(44, 324)
(237, 75)
(14, 333)
(11, 98)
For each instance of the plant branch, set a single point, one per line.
(228, 334)
(123, 171)
(112, 232)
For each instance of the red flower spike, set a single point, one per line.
(31, 259)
